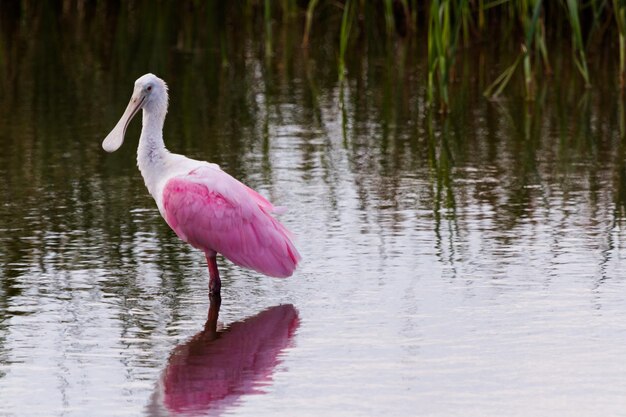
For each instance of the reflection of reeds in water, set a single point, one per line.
(620, 163)
(441, 163)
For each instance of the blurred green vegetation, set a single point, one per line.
(433, 31)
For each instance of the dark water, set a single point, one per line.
(467, 265)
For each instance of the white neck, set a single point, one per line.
(151, 153)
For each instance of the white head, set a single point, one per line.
(149, 94)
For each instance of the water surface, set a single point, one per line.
(463, 265)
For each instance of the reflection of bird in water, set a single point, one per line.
(205, 206)
(215, 367)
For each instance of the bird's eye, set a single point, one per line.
(149, 88)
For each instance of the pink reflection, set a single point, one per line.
(215, 368)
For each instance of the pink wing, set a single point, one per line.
(214, 212)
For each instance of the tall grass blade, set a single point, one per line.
(578, 47)
(495, 3)
(389, 20)
(310, 10)
(529, 14)
(619, 10)
(344, 35)
(495, 89)
(443, 32)
(267, 14)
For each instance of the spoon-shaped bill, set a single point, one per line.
(115, 139)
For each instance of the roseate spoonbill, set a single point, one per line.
(204, 205)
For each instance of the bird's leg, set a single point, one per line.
(214, 276)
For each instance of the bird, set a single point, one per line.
(205, 206)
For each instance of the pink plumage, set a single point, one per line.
(214, 212)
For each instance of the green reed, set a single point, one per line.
(443, 29)
(346, 24)
(389, 19)
(433, 31)
(309, 21)
(528, 13)
(449, 24)
(619, 8)
(267, 14)
(578, 46)
(466, 21)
